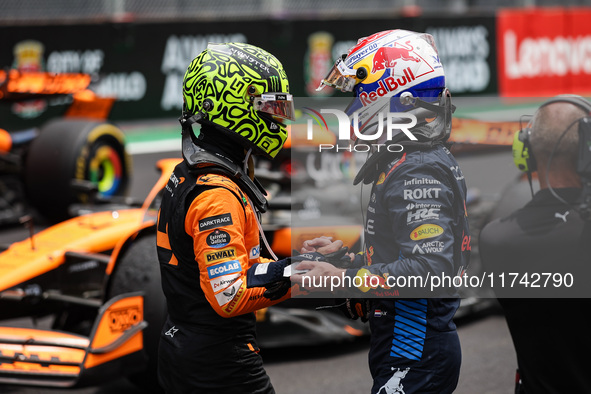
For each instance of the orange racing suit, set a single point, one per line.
(207, 239)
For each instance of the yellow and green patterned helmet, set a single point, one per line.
(241, 89)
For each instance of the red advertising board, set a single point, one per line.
(544, 52)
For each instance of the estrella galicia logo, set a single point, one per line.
(216, 221)
(228, 267)
(218, 239)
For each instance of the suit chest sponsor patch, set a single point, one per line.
(426, 231)
(218, 239)
(228, 267)
(255, 252)
(223, 281)
(216, 221)
(229, 293)
(218, 255)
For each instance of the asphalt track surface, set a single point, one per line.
(488, 363)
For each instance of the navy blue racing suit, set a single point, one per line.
(416, 225)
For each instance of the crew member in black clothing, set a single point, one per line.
(548, 235)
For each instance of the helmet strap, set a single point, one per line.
(249, 164)
(187, 121)
(438, 129)
(438, 109)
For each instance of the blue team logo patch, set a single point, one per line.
(228, 267)
(255, 252)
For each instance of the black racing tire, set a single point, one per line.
(138, 270)
(73, 149)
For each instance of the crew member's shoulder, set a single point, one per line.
(501, 230)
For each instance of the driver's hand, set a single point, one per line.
(324, 245)
(321, 270)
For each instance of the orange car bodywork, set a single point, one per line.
(52, 358)
(18, 82)
(59, 359)
(5, 141)
(16, 85)
(477, 132)
(94, 233)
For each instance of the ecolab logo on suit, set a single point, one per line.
(228, 267)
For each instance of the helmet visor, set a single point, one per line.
(276, 104)
(339, 77)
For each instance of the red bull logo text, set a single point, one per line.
(389, 84)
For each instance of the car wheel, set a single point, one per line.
(138, 270)
(69, 150)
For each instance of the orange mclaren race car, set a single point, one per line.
(38, 164)
(90, 286)
(86, 282)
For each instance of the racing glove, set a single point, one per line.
(275, 276)
(339, 258)
(355, 308)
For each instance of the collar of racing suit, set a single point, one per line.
(429, 134)
(369, 170)
(212, 161)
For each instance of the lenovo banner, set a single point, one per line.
(544, 52)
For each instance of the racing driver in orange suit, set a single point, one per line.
(236, 100)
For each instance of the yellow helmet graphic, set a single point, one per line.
(243, 90)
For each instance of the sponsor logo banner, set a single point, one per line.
(223, 254)
(421, 193)
(426, 231)
(418, 215)
(223, 281)
(229, 267)
(228, 294)
(218, 239)
(255, 252)
(544, 52)
(235, 299)
(216, 221)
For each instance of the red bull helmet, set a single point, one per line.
(394, 71)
